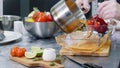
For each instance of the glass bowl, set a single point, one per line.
(78, 39)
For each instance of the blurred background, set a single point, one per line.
(24, 7)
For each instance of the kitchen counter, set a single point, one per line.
(26, 41)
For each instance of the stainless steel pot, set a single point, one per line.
(67, 15)
(8, 21)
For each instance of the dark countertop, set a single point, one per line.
(107, 62)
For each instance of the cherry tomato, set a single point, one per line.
(49, 18)
(90, 22)
(17, 52)
(14, 50)
(97, 25)
(24, 50)
(20, 53)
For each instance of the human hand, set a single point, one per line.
(84, 5)
(109, 9)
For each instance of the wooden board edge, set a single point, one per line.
(97, 53)
(35, 64)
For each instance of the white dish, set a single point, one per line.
(10, 36)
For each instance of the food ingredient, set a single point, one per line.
(49, 54)
(17, 51)
(52, 64)
(29, 19)
(30, 54)
(42, 17)
(90, 22)
(98, 24)
(37, 50)
(36, 58)
(49, 17)
(35, 9)
(34, 52)
(38, 16)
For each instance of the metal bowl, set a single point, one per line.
(41, 29)
(8, 20)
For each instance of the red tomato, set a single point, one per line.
(14, 50)
(97, 25)
(49, 18)
(41, 17)
(24, 50)
(17, 52)
(20, 53)
(90, 22)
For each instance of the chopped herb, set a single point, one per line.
(37, 59)
(52, 64)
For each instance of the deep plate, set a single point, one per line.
(10, 36)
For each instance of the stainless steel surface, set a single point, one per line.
(41, 30)
(67, 15)
(84, 65)
(112, 61)
(107, 62)
(8, 21)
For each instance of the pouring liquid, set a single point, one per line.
(68, 16)
(78, 22)
(75, 24)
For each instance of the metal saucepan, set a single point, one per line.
(67, 15)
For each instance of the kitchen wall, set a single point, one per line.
(11, 7)
(24, 7)
(43, 5)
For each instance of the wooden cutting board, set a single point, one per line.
(31, 63)
(102, 51)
